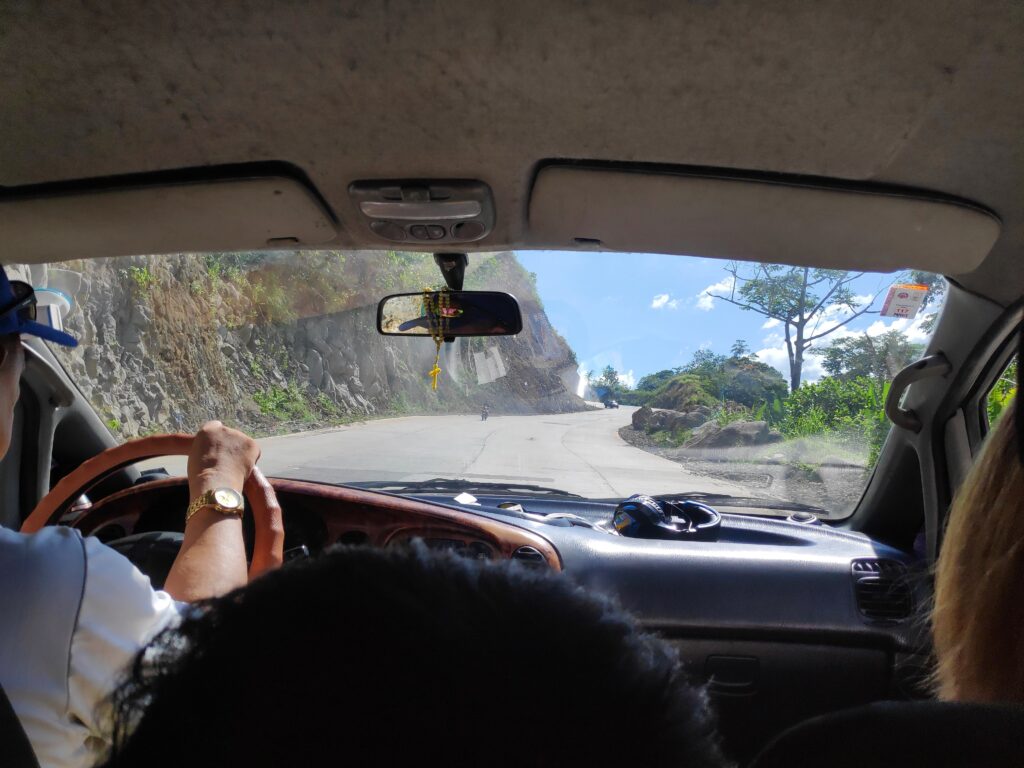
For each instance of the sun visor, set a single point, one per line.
(56, 223)
(755, 220)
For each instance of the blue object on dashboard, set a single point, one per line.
(644, 517)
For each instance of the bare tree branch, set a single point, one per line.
(840, 324)
(833, 290)
(744, 305)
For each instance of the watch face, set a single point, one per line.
(227, 498)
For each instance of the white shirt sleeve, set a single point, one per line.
(120, 612)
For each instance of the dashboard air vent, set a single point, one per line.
(531, 557)
(882, 590)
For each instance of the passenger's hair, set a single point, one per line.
(406, 657)
(978, 619)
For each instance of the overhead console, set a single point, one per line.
(756, 217)
(422, 211)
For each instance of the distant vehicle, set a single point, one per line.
(611, 404)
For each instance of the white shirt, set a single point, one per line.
(73, 614)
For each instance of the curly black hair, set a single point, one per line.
(381, 657)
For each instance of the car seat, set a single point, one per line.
(15, 749)
(891, 733)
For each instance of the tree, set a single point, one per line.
(809, 303)
(880, 357)
(750, 382)
(609, 378)
(740, 348)
(653, 381)
(710, 368)
(936, 285)
(745, 380)
(1002, 393)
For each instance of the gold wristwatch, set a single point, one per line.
(227, 501)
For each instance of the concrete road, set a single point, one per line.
(577, 452)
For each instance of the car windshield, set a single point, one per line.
(633, 373)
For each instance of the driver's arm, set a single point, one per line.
(212, 557)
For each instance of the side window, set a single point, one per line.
(1001, 394)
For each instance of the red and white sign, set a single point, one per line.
(904, 301)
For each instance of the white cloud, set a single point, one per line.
(628, 378)
(705, 301)
(837, 313)
(775, 355)
(912, 328)
(664, 300)
(863, 299)
(771, 322)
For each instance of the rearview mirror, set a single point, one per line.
(449, 313)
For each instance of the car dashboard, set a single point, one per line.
(780, 620)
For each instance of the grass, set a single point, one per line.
(284, 403)
(142, 278)
(809, 471)
(671, 439)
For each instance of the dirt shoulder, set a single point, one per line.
(804, 471)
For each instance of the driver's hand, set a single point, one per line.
(221, 457)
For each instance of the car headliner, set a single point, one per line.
(918, 93)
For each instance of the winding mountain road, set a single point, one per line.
(576, 452)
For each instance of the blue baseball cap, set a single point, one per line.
(18, 313)
(642, 516)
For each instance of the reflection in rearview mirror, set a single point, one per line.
(449, 313)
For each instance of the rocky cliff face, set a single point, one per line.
(274, 343)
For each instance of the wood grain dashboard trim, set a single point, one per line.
(377, 518)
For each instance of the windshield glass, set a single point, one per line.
(633, 373)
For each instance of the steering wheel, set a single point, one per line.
(268, 544)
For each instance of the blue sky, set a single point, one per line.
(642, 313)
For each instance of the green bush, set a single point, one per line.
(671, 438)
(727, 413)
(744, 380)
(682, 392)
(284, 403)
(142, 278)
(851, 409)
(326, 405)
(749, 381)
(771, 411)
(1001, 393)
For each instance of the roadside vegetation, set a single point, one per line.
(842, 413)
(845, 408)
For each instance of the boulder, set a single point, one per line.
(703, 435)
(658, 421)
(691, 420)
(737, 433)
(647, 419)
(642, 418)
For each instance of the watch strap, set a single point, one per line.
(209, 499)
